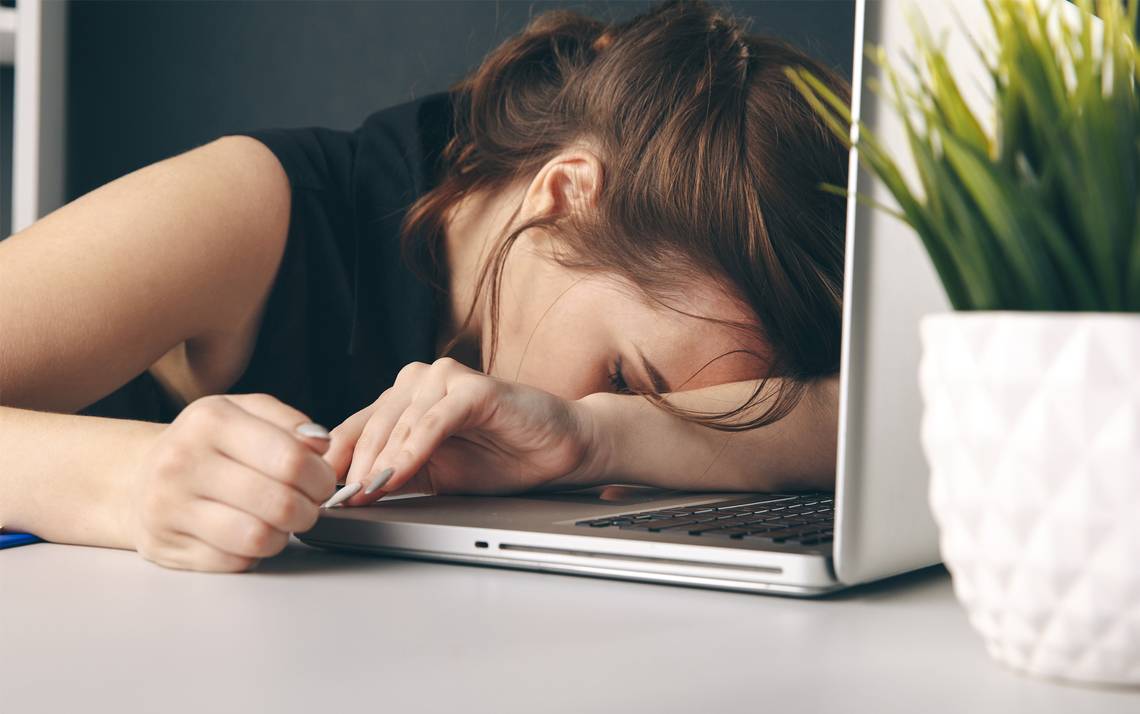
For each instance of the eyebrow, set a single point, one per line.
(655, 377)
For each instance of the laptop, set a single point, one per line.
(874, 525)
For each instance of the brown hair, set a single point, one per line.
(712, 166)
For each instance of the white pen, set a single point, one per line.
(342, 495)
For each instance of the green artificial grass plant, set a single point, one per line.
(1040, 213)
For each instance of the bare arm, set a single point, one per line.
(93, 293)
(446, 428)
(64, 476)
(640, 443)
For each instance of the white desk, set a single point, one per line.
(92, 630)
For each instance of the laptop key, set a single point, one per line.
(724, 533)
(736, 533)
(757, 502)
(796, 538)
(695, 522)
(781, 533)
(670, 525)
(762, 531)
(815, 541)
(712, 526)
(722, 521)
(754, 521)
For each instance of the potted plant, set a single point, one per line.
(1031, 386)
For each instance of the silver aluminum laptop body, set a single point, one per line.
(882, 523)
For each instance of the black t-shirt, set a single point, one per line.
(345, 313)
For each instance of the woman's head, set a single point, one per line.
(666, 183)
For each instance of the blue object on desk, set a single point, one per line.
(11, 540)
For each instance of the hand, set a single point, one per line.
(225, 483)
(446, 428)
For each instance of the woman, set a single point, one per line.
(488, 290)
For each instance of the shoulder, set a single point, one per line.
(400, 143)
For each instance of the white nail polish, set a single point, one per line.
(312, 429)
(342, 495)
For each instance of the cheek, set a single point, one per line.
(564, 354)
(559, 364)
(555, 330)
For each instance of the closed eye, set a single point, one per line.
(617, 378)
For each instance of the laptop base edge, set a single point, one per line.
(603, 568)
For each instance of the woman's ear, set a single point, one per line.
(568, 183)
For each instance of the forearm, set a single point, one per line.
(64, 477)
(643, 444)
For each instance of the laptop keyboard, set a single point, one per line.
(804, 519)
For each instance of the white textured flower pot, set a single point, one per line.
(1032, 430)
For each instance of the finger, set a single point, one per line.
(185, 552)
(387, 409)
(344, 439)
(274, 411)
(390, 405)
(229, 529)
(235, 484)
(453, 413)
(268, 448)
(378, 478)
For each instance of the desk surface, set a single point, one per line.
(93, 630)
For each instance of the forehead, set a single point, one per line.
(677, 336)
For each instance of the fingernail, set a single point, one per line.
(379, 480)
(314, 430)
(342, 495)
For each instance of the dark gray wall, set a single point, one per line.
(151, 79)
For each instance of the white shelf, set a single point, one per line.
(7, 35)
(39, 78)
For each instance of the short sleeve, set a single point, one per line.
(344, 312)
(316, 158)
(299, 355)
